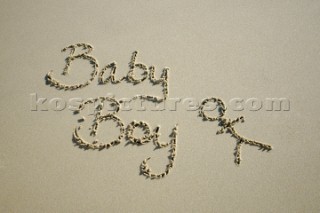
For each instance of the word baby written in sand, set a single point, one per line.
(227, 125)
(130, 77)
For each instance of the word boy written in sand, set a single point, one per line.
(127, 132)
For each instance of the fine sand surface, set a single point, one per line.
(250, 50)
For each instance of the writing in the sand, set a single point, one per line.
(127, 131)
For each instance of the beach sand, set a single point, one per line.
(232, 50)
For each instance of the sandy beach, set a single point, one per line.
(260, 58)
